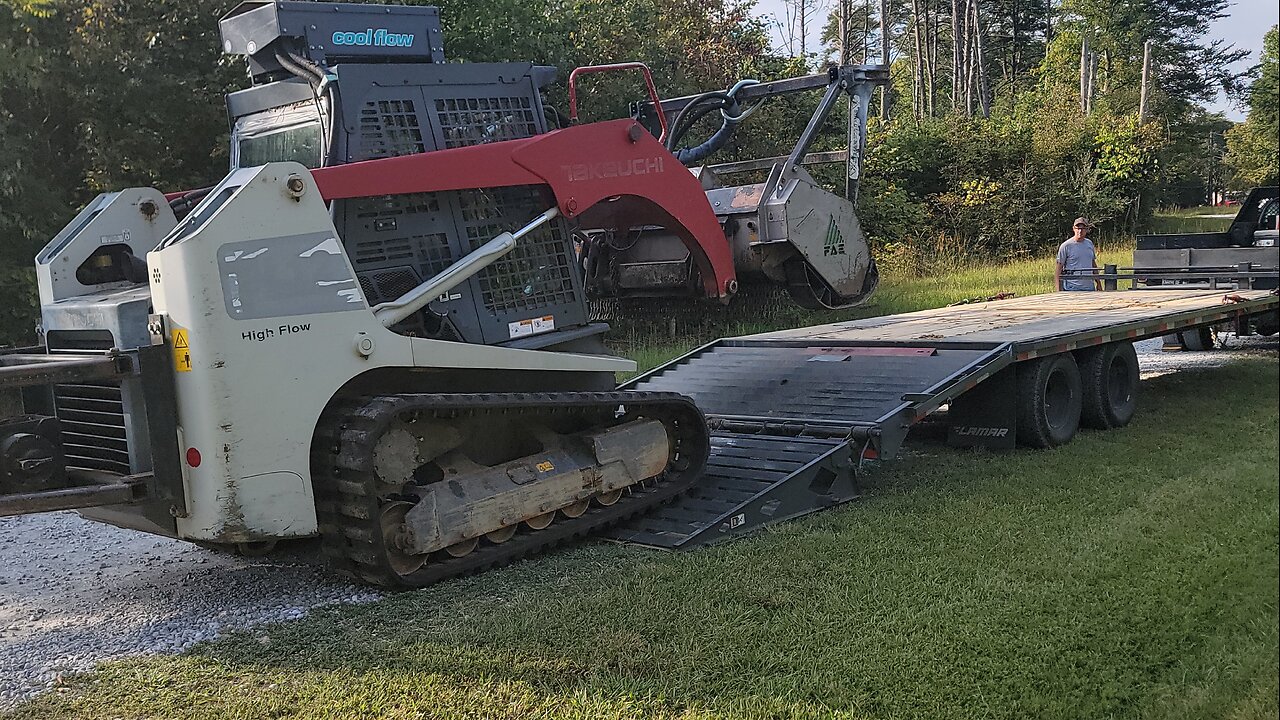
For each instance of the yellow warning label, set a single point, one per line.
(181, 351)
(545, 466)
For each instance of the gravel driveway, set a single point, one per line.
(75, 592)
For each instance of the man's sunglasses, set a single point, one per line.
(1081, 227)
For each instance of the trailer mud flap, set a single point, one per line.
(986, 416)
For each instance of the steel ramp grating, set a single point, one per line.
(750, 481)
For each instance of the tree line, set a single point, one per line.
(1004, 119)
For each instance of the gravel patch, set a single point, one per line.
(1153, 360)
(74, 592)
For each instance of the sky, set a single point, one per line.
(1244, 25)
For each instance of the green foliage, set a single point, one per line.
(1253, 147)
(101, 94)
(1009, 185)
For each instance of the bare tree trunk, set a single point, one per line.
(918, 64)
(1013, 56)
(842, 33)
(804, 28)
(968, 58)
(984, 82)
(885, 89)
(932, 54)
(956, 34)
(1093, 78)
(866, 32)
(1084, 75)
(1146, 80)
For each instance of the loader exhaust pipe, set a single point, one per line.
(390, 313)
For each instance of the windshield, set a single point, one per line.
(291, 132)
(300, 144)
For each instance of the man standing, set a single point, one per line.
(1077, 256)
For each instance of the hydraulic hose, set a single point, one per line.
(700, 107)
(184, 203)
(693, 112)
(300, 67)
(322, 83)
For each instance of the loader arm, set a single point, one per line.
(616, 162)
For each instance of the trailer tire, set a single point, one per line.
(1109, 384)
(1049, 401)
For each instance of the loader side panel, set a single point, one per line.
(262, 310)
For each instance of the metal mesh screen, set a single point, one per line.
(389, 128)
(393, 283)
(479, 120)
(394, 239)
(537, 273)
(454, 107)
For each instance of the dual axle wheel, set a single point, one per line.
(1056, 394)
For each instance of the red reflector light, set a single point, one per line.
(193, 457)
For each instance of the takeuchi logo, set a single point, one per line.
(612, 169)
(373, 38)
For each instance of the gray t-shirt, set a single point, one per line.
(1077, 258)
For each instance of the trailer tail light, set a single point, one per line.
(193, 457)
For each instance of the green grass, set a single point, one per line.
(1205, 218)
(1129, 574)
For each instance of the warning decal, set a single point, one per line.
(181, 351)
(532, 326)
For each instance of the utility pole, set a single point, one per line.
(1146, 78)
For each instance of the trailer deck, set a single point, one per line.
(794, 413)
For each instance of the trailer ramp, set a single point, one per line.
(791, 422)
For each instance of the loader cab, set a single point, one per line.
(385, 91)
(291, 132)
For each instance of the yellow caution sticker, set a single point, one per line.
(181, 351)
(545, 466)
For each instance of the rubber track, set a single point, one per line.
(347, 489)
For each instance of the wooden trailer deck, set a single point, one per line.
(1040, 324)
